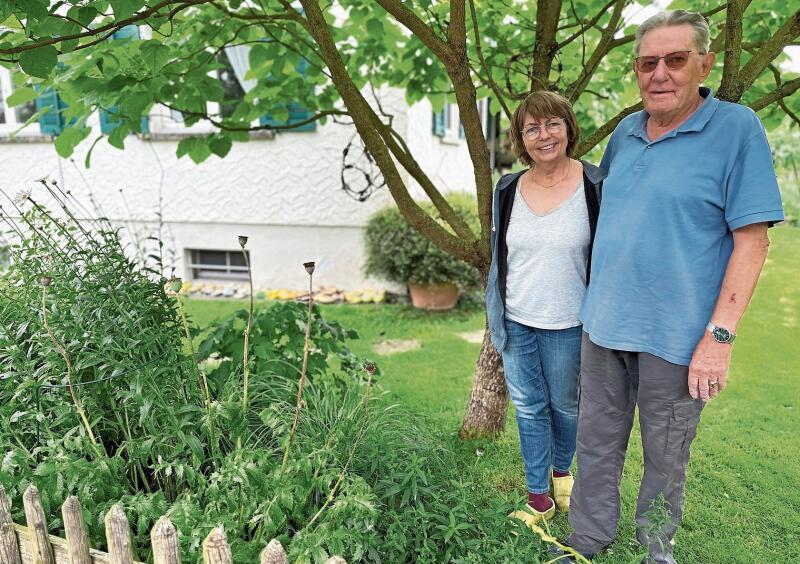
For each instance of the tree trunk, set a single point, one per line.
(487, 408)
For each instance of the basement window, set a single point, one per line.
(217, 265)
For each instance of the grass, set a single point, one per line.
(742, 499)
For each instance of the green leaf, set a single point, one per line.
(155, 55)
(6, 9)
(196, 147)
(22, 96)
(220, 145)
(68, 139)
(39, 62)
(83, 14)
(117, 136)
(36, 9)
(135, 104)
(125, 8)
(374, 27)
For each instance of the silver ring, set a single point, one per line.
(713, 384)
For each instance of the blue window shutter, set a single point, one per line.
(51, 122)
(108, 121)
(461, 131)
(127, 32)
(439, 120)
(297, 112)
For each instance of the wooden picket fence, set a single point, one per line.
(33, 545)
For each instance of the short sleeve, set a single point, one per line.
(608, 154)
(752, 193)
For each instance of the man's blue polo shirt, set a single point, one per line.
(664, 234)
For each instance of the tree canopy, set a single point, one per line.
(327, 56)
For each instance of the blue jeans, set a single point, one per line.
(542, 368)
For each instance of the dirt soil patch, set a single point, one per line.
(393, 346)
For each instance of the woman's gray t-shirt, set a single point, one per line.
(547, 257)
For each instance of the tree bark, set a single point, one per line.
(487, 408)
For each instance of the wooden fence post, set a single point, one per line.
(9, 549)
(118, 536)
(273, 553)
(216, 549)
(75, 532)
(41, 551)
(164, 538)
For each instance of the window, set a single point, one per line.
(217, 265)
(11, 118)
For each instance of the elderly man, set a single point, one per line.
(681, 240)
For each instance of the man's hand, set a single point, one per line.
(708, 371)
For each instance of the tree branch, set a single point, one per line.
(783, 91)
(105, 30)
(771, 48)
(489, 79)
(730, 88)
(605, 130)
(416, 26)
(403, 155)
(545, 46)
(587, 25)
(363, 117)
(575, 89)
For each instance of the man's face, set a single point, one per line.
(671, 92)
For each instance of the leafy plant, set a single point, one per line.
(398, 253)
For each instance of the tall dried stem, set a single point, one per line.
(65, 356)
(309, 266)
(247, 329)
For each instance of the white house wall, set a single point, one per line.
(284, 193)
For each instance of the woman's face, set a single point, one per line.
(545, 138)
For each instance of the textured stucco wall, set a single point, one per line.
(285, 193)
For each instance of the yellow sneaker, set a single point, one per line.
(530, 516)
(562, 489)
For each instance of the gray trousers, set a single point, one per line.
(612, 384)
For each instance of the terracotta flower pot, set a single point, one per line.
(438, 297)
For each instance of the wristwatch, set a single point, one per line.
(720, 334)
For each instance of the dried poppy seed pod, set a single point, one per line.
(242, 241)
(309, 266)
(45, 281)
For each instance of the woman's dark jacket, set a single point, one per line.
(502, 203)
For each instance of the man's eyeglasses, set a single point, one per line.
(553, 126)
(674, 61)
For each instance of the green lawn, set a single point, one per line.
(742, 500)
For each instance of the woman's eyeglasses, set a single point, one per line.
(533, 132)
(674, 61)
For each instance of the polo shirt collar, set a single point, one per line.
(696, 122)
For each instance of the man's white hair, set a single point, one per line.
(702, 40)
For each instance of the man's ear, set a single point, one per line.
(706, 65)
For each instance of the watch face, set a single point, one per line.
(721, 335)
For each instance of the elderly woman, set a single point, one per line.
(543, 228)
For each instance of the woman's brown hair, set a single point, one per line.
(543, 104)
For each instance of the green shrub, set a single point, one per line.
(364, 480)
(398, 253)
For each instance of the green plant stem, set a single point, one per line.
(245, 356)
(356, 443)
(200, 374)
(299, 402)
(65, 356)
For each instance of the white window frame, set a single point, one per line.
(11, 124)
(227, 272)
